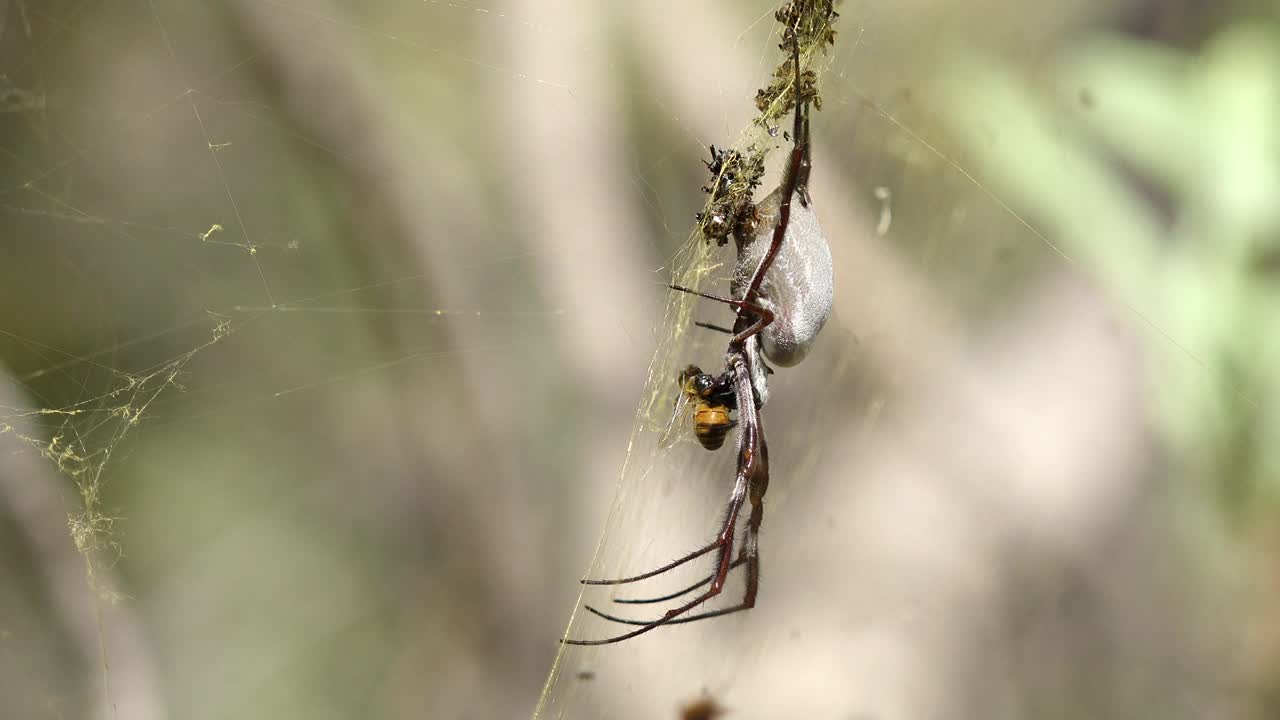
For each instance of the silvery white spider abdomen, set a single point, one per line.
(797, 288)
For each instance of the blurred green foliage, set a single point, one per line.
(1158, 172)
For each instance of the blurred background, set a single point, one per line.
(324, 326)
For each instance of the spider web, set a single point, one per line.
(324, 324)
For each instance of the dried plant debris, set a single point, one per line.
(807, 28)
(735, 176)
(807, 25)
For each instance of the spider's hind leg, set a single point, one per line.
(742, 559)
(749, 555)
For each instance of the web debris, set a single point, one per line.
(87, 434)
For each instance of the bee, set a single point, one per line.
(711, 406)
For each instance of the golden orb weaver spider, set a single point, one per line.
(782, 294)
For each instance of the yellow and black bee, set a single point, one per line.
(711, 407)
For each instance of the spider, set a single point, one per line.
(781, 291)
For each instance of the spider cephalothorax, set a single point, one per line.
(781, 293)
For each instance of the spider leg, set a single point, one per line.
(740, 305)
(764, 316)
(742, 559)
(672, 596)
(805, 164)
(752, 476)
(796, 178)
(750, 556)
(665, 568)
(724, 541)
(795, 181)
(800, 134)
(710, 326)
